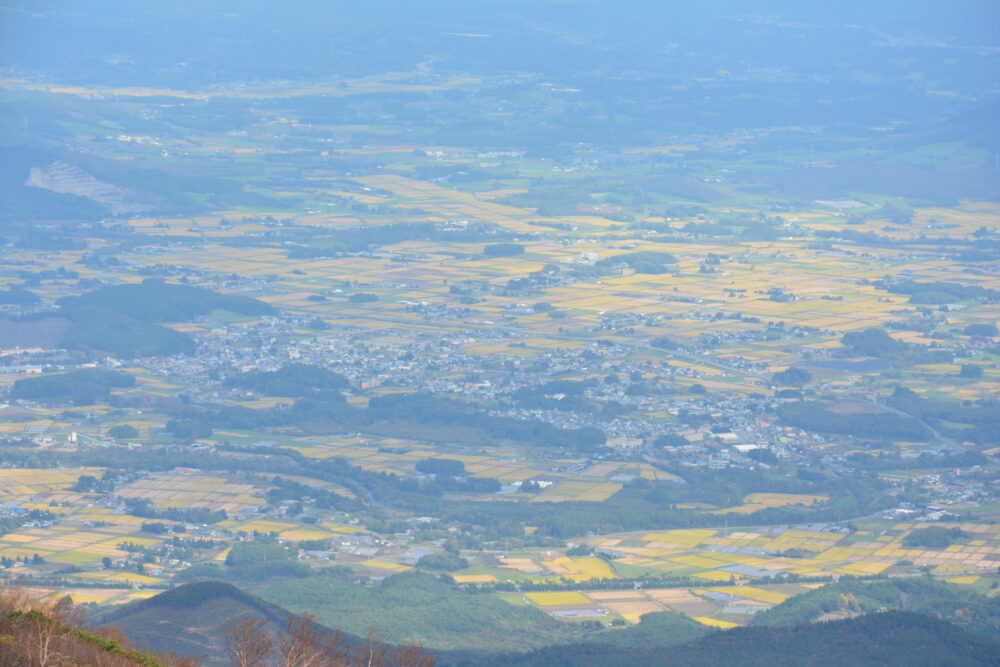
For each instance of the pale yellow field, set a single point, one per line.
(580, 569)
(751, 593)
(633, 611)
(759, 501)
(262, 526)
(386, 565)
(715, 623)
(474, 578)
(548, 599)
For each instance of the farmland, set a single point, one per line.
(744, 562)
(568, 386)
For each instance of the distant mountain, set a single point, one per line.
(723, 63)
(976, 127)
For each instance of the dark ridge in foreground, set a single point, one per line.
(191, 619)
(886, 639)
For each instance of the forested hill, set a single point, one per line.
(123, 320)
(190, 619)
(973, 611)
(155, 300)
(55, 185)
(884, 639)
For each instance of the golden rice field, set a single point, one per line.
(759, 501)
(716, 623)
(187, 490)
(813, 272)
(756, 594)
(73, 542)
(545, 599)
(264, 526)
(717, 557)
(18, 482)
(834, 294)
(865, 556)
(474, 578)
(589, 485)
(580, 569)
(710, 606)
(385, 565)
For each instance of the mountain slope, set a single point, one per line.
(950, 602)
(884, 639)
(191, 619)
(417, 608)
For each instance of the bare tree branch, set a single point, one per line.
(248, 643)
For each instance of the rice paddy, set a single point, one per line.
(833, 292)
(186, 490)
(739, 567)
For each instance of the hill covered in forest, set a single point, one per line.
(889, 638)
(924, 595)
(125, 320)
(191, 620)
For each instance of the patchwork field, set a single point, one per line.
(185, 490)
(746, 563)
(725, 606)
(493, 295)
